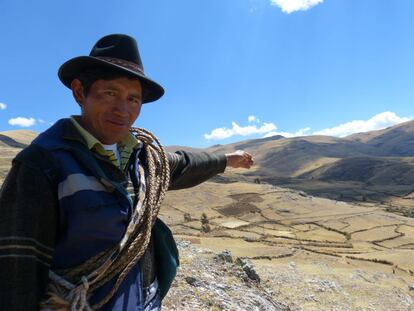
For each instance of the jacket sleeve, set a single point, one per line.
(189, 169)
(28, 218)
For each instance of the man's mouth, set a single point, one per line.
(118, 123)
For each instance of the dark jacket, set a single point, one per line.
(31, 215)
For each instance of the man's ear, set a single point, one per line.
(77, 91)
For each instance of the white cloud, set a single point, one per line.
(251, 119)
(289, 6)
(223, 132)
(41, 121)
(3, 106)
(377, 122)
(21, 121)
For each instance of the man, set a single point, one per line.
(78, 209)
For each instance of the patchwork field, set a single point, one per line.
(360, 253)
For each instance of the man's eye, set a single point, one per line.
(110, 93)
(135, 101)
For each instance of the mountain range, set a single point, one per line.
(365, 166)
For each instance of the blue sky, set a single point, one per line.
(232, 69)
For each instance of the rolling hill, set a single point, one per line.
(11, 142)
(18, 138)
(372, 165)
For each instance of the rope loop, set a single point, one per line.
(80, 294)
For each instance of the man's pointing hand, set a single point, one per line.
(239, 158)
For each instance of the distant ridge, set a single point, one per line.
(6, 141)
(370, 170)
(23, 137)
(363, 164)
(368, 165)
(392, 141)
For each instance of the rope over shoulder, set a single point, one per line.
(70, 289)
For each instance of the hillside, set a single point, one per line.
(11, 142)
(370, 170)
(393, 141)
(21, 137)
(377, 165)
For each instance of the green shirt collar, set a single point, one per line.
(129, 142)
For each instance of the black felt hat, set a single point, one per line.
(119, 52)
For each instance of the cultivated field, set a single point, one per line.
(311, 251)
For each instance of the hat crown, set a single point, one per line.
(117, 46)
(115, 52)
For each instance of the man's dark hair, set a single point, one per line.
(93, 74)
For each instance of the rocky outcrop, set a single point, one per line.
(208, 281)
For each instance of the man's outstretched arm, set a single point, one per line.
(189, 169)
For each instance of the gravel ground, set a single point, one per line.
(208, 281)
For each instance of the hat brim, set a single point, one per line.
(71, 69)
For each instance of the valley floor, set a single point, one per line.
(311, 253)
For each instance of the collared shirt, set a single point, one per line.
(125, 147)
(149, 296)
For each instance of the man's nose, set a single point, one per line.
(121, 107)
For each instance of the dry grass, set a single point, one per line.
(286, 226)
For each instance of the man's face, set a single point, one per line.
(110, 108)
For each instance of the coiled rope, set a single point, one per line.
(70, 289)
